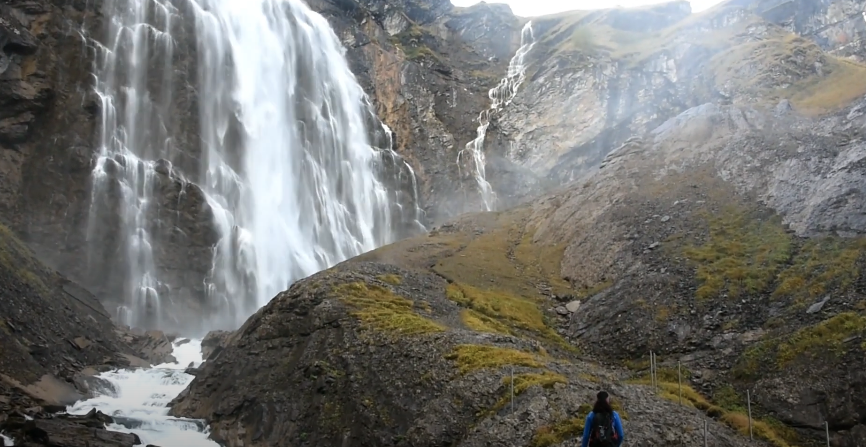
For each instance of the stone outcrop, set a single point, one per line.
(837, 26)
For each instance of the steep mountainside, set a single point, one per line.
(600, 78)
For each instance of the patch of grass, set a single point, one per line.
(741, 256)
(505, 255)
(482, 323)
(728, 408)
(392, 279)
(729, 399)
(821, 266)
(561, 431)
(379, 308)
(776, 434)
(522, 382)
(471, 358)
(843, 82)
(589, 378)
(825, 337)
(502, 307)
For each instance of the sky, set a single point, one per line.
(529, 8)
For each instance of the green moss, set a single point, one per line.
(482, 323)
(504, 255)
(502, 310)
(562, 430)
(392, 279)
(522, 382)
(741, 256)
(471, 358)
(825, 337)
(727, 398)
(379, 308)
(821, 266)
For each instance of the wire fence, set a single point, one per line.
(654, 382)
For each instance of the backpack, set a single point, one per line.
(603, 434)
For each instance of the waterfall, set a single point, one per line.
(132, 137)
(296, 169)
(500, 97)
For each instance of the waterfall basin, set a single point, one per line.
(139, 398)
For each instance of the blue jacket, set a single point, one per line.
(587, 428)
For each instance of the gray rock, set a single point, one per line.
(573, 306)
(816, 307)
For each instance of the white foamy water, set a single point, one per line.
(296, 168)
(140, 398)
(7, 440)
(500, 96)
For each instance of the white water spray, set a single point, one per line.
(500, 96)
(305, 192)
(6, 440)
(139, 397)
(296, 168)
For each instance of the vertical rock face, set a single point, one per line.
(600, 78)
(838, 26)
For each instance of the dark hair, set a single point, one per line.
(601, 403)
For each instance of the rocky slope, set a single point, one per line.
(54, 337)
(369, 354)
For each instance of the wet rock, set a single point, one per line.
(213, 342)
(153, 346)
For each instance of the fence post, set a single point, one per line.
(827, 432)
(653, 377)
(512, 390)
(680, 380)
(749, 403)
(706, 432)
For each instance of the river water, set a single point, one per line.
(138, 401)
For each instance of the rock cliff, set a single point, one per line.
(600, 78)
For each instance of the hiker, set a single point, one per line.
(603, 427)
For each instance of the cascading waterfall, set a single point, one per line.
(133, 135)
(297, 188)
(137, 399)
(500, 96)
(296, 169)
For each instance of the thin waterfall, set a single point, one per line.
(296, 170)
(500, 96)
